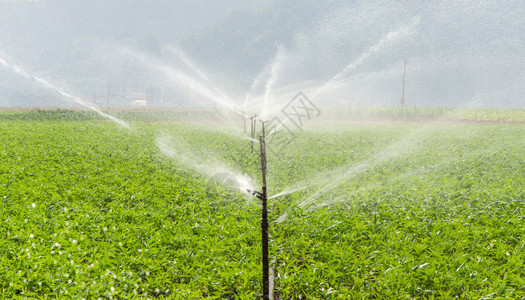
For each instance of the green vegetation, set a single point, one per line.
(431, 210)
(343, 113)
(424, 113)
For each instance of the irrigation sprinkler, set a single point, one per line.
(263, 196)
(253, 121)
(244, 119)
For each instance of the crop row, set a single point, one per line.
(380, 211)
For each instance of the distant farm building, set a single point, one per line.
(139, 103)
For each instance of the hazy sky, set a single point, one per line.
(458, 53)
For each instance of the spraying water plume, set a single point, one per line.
(385, 42)
(62, 91)
(181, 55)
(181, 79)
(206, 164)
(275, 68)
(325, 182)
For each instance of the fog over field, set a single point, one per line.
(229, 53)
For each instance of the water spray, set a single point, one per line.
(243, 114)
(60, 90)
(263, 196)
(253, 123)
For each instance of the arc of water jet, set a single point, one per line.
(268, 87)
(184, 58)
(392, 36)
(421, 172)
(250, 139)
(426, 170)
(287, 93)
(287, 192)
(48, 85)
(256, 82)
(180, 78)
(395, 149)
(92, 107)
(353, 172)
(368, 164)
(208, 166)
(281, 218)
(245, 103)
(391, 152)
(188, 62)
(274, 71)
(276, 129)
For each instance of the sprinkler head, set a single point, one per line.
(257, 194)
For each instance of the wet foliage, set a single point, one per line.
(385, 211)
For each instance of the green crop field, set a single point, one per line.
(384, 210)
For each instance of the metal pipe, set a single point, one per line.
(264, 220)
(263, 196)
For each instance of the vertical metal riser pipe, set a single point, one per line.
(264, 220)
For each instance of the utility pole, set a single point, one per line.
(403, 94)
